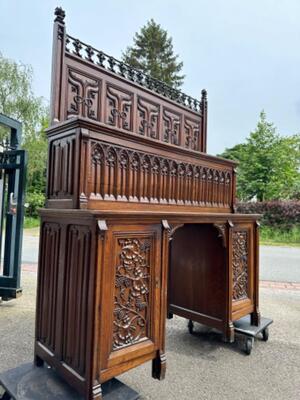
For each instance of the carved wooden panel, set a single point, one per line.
(172, 127)
(192, 137)
(132, 291)
(83, 95)
(148, 118)
(76, 297)
(48, 304)
(121, 174)
(61, 167)
(240, 264)
(83, 77)
(119, 107)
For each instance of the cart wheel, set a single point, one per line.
(248, 345)
(265, 334)
(191, 327)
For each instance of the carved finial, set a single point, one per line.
(204, 94)
(59, 15)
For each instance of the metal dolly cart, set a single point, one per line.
(243, 327)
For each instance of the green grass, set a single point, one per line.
(30, 222)
(279, 237)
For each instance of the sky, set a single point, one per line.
(245, 53)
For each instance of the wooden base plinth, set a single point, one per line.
(29, 382)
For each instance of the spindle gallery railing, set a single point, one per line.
(117, 173)
(98, 57)
(88, 83)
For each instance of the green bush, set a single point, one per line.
(280, 221)
(284, 215)
(31, 222)
(35, 201)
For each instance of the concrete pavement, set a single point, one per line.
(200, 366)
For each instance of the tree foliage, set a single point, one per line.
(153, 53)
(18, 101)
(269, 163)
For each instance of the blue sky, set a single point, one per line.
(245, 53)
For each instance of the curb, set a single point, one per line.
(280, 285)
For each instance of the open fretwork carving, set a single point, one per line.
(83, 95)
(239, 264)
(87, 83)
(119, 105)
(192, 134)
(148, 118)
(132, 291)
(171, 127)
(121, 174)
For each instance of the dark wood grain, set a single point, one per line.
(139, 222)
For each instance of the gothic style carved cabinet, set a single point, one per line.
(139, 221)
(101, 291)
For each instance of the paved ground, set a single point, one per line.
(30, 245)
(200, 367)
(281, 264)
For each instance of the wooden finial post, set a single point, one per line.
(204, 119)
(59, 15)
(59, 42)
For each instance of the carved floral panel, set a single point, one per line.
(240, 264)
(119, 107)
(147, 118)
(83, 95)
(132, 291)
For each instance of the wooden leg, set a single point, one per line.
(38, 362)
(97, 391)
(159, 365)
(228, 334)
(255, 318)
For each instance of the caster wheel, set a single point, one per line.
(169, 315)
(265, 334)
(191, 327)
(248, 346)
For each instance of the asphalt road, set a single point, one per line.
(281, 264)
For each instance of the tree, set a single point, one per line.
(153, 54)
(16, 95)
(18, 101)
(269, 163)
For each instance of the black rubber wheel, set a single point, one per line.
(191, 327)
(248, 346)
(265, 334)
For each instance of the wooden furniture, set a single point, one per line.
(132, 198)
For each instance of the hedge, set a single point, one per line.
(279, 214)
